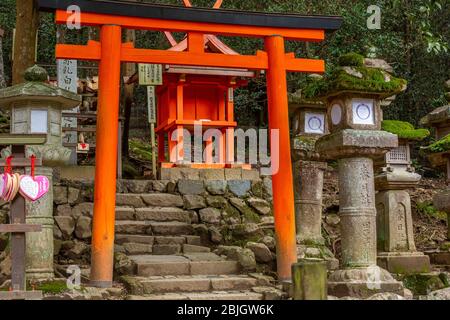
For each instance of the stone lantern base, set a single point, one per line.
(355, 150)
(442, 202)
(308, 180)
(363, 282)
(315, 252)
(404, 262)
(396, 248)
(39, 258)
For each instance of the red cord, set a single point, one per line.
(33, 159)
(8, 164)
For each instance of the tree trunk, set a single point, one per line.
(27, 22)
(2, 65)
(128, 71)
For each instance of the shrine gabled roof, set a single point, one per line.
(231, 17)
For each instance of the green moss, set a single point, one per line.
(351, 59)
(427, 208)
(140, 149)
(441, 145)
(305, 143)
(232, 212)
(404, 130)
(423, 284)
(258, 189)
(371, 81)
(52, 287)
(250, 216)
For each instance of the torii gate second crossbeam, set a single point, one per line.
(114, 16)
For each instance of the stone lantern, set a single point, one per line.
(396, 247)
(309, 124)
(353, 93)
(35, 107)
(439, 156)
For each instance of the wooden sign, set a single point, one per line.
(83, 148)
(67, 75)
(68, 80)
(230, 95)
(151, 104)
(18, 226)
(150, 74)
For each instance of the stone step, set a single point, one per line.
(133, 227)
(125, 213)
(220, 295)
(171, 228)
(158, 214)
(129, 238)
(163, 214)
(188, 264)
(136, 200)
(158, 284)
(132, 248)
(190, 242)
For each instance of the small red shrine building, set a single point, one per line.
(198, 96)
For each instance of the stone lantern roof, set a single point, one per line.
(404, 130)
(355, 74)
(439, 118)
(35, 88)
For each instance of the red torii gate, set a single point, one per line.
(112, 17)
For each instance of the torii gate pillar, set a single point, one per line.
(282, 181)
(106, 158)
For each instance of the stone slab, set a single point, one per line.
(166, 249)
(189, 248)
(214, 267)
(405, 264)
(356, 143)
(122, 238)
(125, 213)
(162, 214)
(440, 258)
(233, 283)
(171, 228)
(177, 285)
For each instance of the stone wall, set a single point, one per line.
(223, 212)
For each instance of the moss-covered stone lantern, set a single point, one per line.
(353, 94)
(394, 176)
(35, 107)
(439, 155)
(309, 123)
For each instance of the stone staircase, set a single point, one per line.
(171, 262)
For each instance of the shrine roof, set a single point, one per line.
(438, 115)
(167, 12)
(441, 114)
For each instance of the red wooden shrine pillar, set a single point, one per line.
(282, 181)
(106, 157)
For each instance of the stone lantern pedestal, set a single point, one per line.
(354, 93)
(355, 150)
(309, 124)
(439, 156)
(396, 247)
(36, 108)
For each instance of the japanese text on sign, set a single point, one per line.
(150, 74)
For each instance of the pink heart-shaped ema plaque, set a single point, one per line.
(34, 189)
(2, 184)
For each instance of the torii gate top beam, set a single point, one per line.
(134, 15)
